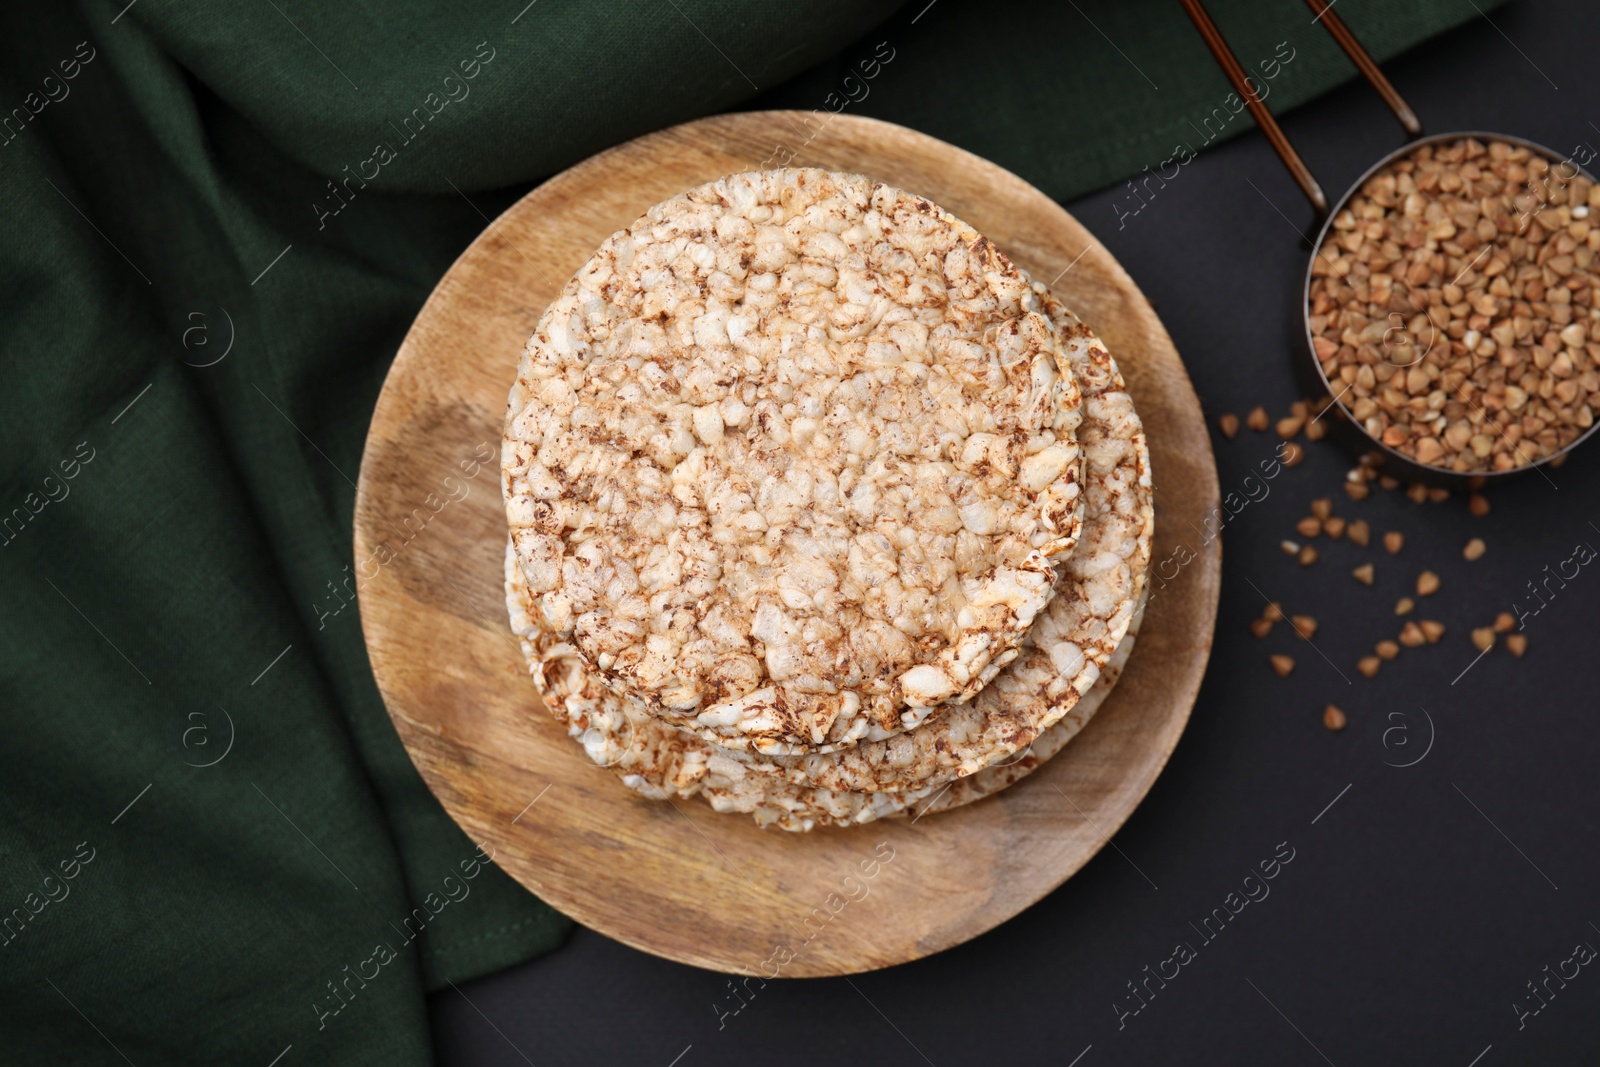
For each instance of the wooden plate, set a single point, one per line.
(677, 879)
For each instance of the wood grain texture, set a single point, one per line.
(676, 879)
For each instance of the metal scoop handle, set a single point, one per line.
(1258, 110)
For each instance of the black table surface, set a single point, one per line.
(1444, 873)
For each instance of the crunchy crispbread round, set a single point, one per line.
(790, 461)
(1099, 591)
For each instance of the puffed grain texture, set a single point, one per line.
(791, 461)
(1008, 772)
(1082, 630)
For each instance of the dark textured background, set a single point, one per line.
(1407, 923)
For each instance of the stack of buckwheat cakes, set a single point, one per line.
(820, 508)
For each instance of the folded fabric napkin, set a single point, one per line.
(214, 848)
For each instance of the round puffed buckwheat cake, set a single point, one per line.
(1069, 661)
(791, 461)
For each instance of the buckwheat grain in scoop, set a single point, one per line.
(790, 461)
(1454, 305)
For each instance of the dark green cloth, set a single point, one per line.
(209, 822)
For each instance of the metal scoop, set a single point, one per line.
(1400, 350)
